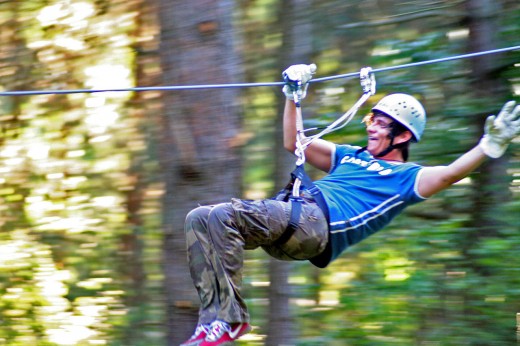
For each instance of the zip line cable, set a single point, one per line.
(251, 85)
(420, 63)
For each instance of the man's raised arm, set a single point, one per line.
(319, 152)
(499, 131)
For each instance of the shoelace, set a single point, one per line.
(201, 328)
(218, 328)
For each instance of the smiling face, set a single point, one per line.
(378, 130)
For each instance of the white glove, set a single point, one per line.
(500, 130)
(297, 79)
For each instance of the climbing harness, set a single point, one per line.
(299, 178)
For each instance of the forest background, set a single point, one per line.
(94, 187)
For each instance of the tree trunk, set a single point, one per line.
(490, 187)
(296, 49)
(139, 297)
(198, 152)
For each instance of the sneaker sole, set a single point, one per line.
(244, 332)
(231, 343)
(194, 343)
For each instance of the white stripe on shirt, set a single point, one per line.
(374, 210)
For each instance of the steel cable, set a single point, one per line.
(251, 85)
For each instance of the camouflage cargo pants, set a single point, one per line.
(218, 235)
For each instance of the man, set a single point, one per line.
(364, 190)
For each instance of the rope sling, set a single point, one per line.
(299, 178)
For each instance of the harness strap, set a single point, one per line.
(296, 204)
(299, 173)
(296, 209)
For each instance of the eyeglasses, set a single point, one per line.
(375, 120)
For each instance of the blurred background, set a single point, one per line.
(94, 187)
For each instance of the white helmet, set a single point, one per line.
(406, 110)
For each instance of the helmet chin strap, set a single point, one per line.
(382, 153)
(391, 136)
(388, 149)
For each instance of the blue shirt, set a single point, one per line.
(363, 195)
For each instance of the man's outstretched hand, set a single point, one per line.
(500, 130)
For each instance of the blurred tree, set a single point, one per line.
(296, 48)
(143, 296)
(76, 279)
(491, 186)
(201, 135)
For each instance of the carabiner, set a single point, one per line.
(368, 80)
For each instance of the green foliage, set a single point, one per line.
(433, 276)
(66, 181)
(80, 186)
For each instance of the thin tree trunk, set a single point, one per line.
(297, 47)
(490, 187)
(199, 156)
(132, 244)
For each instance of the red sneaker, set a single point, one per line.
(198, 336)
(223, 333)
